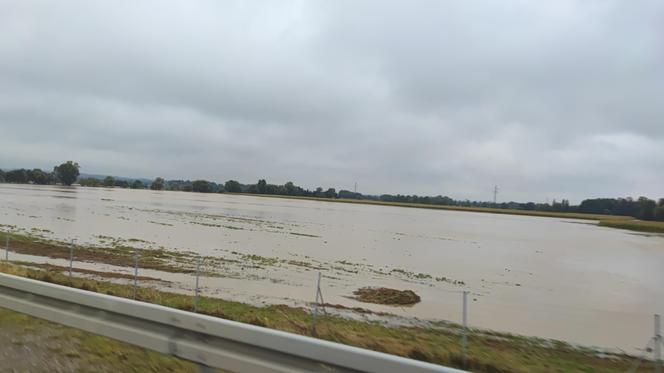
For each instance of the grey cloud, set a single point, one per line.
(549, 100)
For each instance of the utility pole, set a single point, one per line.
(356, 187)
(464, 340)
(495, 194)
(656, 343)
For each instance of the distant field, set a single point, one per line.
(635, 225)
(612, 221)
(454, 208)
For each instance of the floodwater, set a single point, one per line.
(553, 278)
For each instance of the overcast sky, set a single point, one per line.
(547, 99)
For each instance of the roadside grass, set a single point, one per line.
(489, 351)
(92, 353)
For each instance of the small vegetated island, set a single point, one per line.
(390, 297)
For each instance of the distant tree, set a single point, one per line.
(646, 208)
(67, 173)
(598, 205)
(2, 176)
(352, 195)
(271, 189)
(121, 183)
(659, 213)
(90, 182)
(176, 184)
(319, 192)
(660, 203)
(19, 176)
(253, 189)
(565, 205)
(201, 186)
(331, 193)
(232, 186)
(290, 188)
(261, 186)
(158, 184)
(624, 206)
(137, 184)
(38, 176)
(109, 181)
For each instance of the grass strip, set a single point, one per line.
(489, 352)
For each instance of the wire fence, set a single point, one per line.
(652, 350)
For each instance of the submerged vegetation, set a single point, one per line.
(122, 253)
(116, 253)
(386, 296)
(487, 351)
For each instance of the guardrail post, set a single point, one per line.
(464, 340)
(135, 272)
(198, 273)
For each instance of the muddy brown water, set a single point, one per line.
(547, 277)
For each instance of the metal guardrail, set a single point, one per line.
(209, 341)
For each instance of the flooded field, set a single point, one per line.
(553, 278)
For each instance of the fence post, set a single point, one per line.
(658, 346)
(71, 257)
(315, 313)
(135, 272)
(198, 273)
(464, 339)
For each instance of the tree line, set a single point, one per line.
(641, 208)
(111, 182)
(67, 173)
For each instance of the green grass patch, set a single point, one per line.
(92, 353)
(488, 351)
(635, 225)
